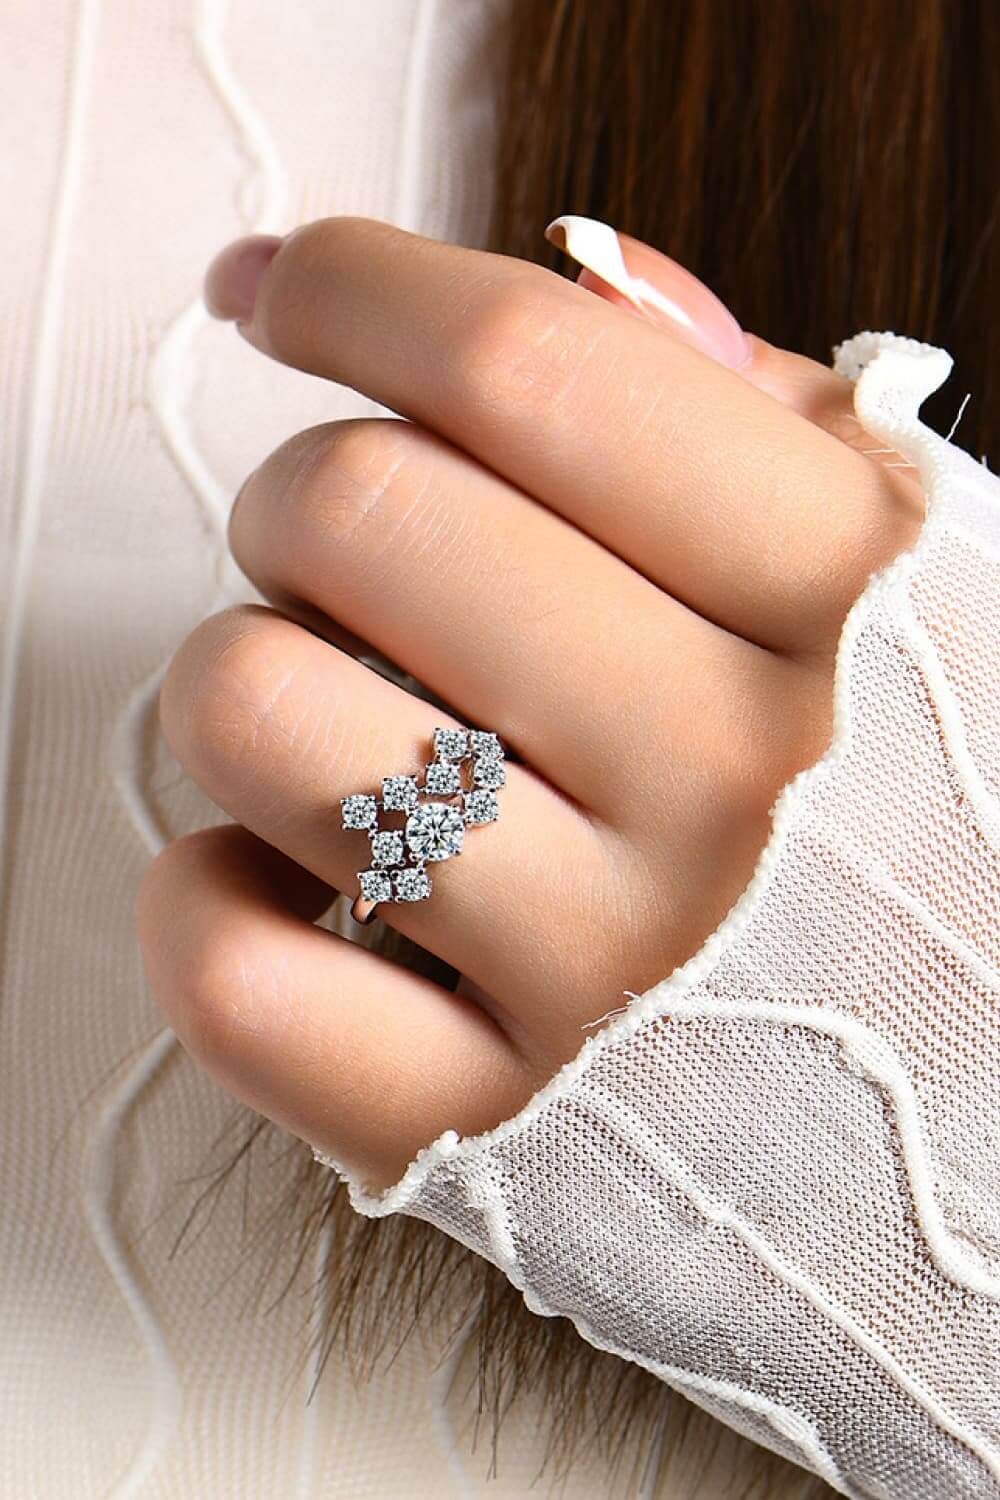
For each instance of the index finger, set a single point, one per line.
(657, 451)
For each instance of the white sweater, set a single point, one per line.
(772, 1180)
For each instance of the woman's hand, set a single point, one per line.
(629, 559)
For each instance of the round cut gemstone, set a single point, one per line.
(451, 744)
(481, 806)
(486, 743)
(376, 885)
(412, 885)
(399, 793)
(387, 847)
(488, 772)
(434, 830)
(443, 778)
(360, 811)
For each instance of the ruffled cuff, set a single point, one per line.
(773, 1179)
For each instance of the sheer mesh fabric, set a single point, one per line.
(773, 1179)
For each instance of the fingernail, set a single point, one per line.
(654, 285)
(233, 277)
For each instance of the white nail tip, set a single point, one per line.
(596, 246)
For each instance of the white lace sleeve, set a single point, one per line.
(773, 1180)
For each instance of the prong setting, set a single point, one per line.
(387, 848)
(483, 742)
(451, 744)
(488, 772)
(399, 793)
(434, 829)
(412, 885)
(359, 811)
(376, 885)
(481, 806)
(443, 778)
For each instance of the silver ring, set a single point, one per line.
(438, 810)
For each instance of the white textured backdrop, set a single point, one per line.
(145, 136)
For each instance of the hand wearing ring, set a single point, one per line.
(629, 555)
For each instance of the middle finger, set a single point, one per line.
(707, 484)
(505, 610)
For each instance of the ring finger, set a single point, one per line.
(277, 726)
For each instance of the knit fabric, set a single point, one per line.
(772, 1180)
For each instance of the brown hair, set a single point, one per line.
(825, 166)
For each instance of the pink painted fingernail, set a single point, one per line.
(645, 279)
(233, 277)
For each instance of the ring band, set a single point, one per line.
(438, 810)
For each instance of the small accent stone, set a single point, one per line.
(443, 778)
(488, 772)
(387, 848)
(484, 742)
(451, 744)
(435, 831)
(399, 793)
(412, 885)
(481, 806)
(376, 885)
(360, 811)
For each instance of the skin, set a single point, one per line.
(630, 560)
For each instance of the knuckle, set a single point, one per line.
(196, 979)
(284, 314)
(223, 984)
(213, 996)
(311, 496)
(320, 243)
(349, 475)
(221, 689)
(514, 344)
(153, 898)
(281, 306)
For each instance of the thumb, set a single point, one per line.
(646, 282)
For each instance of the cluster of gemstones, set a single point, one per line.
(437, 811)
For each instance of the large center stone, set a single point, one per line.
(434, 830)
